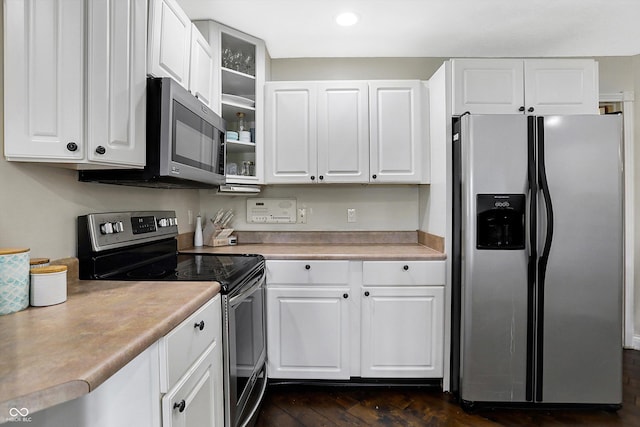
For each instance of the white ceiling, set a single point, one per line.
(433, 28)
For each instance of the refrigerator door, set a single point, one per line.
(581, 296)
(493, 281)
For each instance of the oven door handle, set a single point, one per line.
(257, 283)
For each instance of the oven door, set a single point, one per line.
(245, 349)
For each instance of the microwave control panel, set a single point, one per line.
(271, 211)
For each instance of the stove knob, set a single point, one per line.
(162, 222)
(175, 221)
(118, 227)
(171, 221)
(106, 228)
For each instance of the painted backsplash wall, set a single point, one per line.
(378, 207)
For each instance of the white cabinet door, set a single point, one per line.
(402, 332)
(43, 75)
(308, 332)
(193, 401)
(343, 132)
(290, 128)
(201, 73)
(524, 86)
(169, 41)
(116, 81)
(395, 131)
(561, 86)
(487, 86)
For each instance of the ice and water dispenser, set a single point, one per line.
(500, 221)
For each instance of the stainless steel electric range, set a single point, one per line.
(143, 246)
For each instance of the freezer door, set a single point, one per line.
(494, 281)
(581, 295)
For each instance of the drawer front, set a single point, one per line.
(307, 272)
(181, 347)
(407, 273)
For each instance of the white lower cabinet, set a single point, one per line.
(402, 331)
(308, 319)
(126, 399)
(191, 370)
(342, 319)
(308, 332)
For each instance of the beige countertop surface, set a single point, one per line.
(323, 251)
(49, 355)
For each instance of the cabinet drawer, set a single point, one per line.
(181, 347)
(408, 273)
(307, 272)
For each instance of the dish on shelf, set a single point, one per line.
(238, 100)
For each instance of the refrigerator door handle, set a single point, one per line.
(532, 190)
(544, 256)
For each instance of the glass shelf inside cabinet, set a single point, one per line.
(240, 147)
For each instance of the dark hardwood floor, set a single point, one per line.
(289, 405)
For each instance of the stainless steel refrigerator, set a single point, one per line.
(537, 260)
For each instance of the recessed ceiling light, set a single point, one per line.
(347, 19)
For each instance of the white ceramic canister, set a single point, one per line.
(48, 285)
(14, 280)
(38, 262)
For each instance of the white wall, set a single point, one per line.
(39, 204)
(378, 207)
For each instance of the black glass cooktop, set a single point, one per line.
(229, 270)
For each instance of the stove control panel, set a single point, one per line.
(110, 230)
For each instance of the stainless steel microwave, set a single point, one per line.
(185, 143)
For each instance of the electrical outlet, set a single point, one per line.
(351, 215)
(190, 214)
(302, 215)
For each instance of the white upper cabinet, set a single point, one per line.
(169, 41)
(561, 86)
(239, 73)
(290, 128)
(487, 86)
(75, 82)
(344, 132)
(317, 132)
(201, 70)
(177, 49)
(116, 83)
(524, 86)
(395, 113)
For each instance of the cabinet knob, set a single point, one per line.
(199, 325)
(345, 295)
(72, 146)
(366, 294)
(405, 268)
(180, 405)
(531, 109)
(313, 178)
(521, 108)
(100, 149)
(307, 267)
(374, 176)
(321, 177)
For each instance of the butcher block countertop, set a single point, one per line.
(50, 355)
